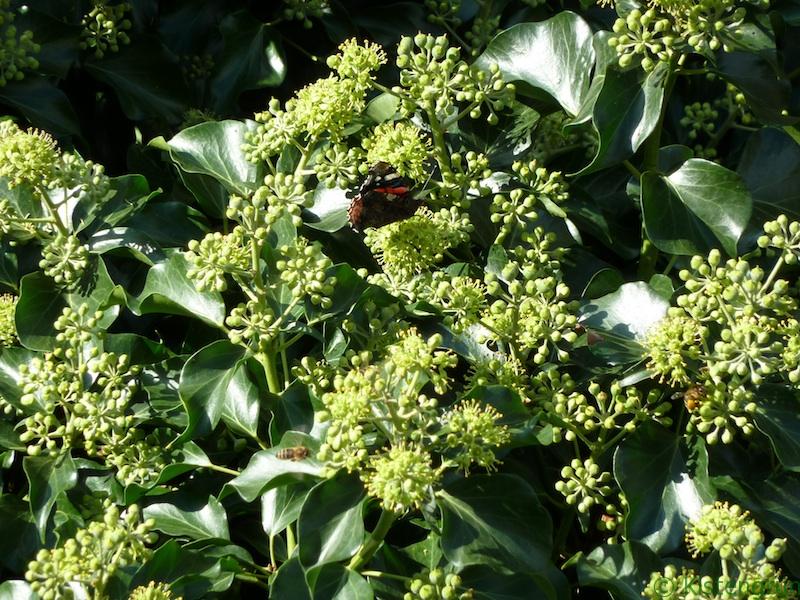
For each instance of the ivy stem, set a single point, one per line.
(268, 362)
(772, 275)
(382, 574)
(442, 156)
(53, 211)
(222, 469)
(251, 579)
(291, 542)
(374, 541)
(272, 562)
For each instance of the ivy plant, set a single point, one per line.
(471, 299)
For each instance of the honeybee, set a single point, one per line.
(692, 397)
(294, 453)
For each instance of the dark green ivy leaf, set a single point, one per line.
(555, 56)
(665, 480)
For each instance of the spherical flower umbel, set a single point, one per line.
(153, 591)
(357, 62)
(402, 478)
(400, 144)
(105, 27)
(436, 585)
(26, 156)
(65, 259)
(8, 328)
(17, 48)
(474, 434)
(584, 484)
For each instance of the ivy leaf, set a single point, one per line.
(10, 361)
(329, 211)
(215, 149)
(16, 589)
(48, 478)
(773, 504)
(555, 56)
(290, 581)
(625, 114)
(777, 417)
(43, 104)
(491, 585)
(215, 384)
(497, 521)
(623, 318)
(281, 506)
(167, 289)
(336, 582)
(144, 92)
(666, 483)
(330, 527)
(194, 519)
(770, 168)
(697, 207)
(622, 569)
(266, 471)
(251, 58)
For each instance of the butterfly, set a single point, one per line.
(384, 197)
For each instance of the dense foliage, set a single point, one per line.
(567, 362)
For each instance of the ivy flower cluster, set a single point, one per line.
(153, 591)
(17, 48)
(31, 160)
(303, 10)
(8, 328)
(733, 329)
(105, 27)
(384, 425)
(89, 560)
(435, 584)
(747, 563)
(63, 409)
(668, 30)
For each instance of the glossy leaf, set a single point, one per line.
(621, 319)
(133, 242)
(215, 384)
(251, 58)
(266, 471)
(495, 520)
(665, 482)
(48, 478)
(491, 585)
(197, 520)
(39, 305)
(281, 506)
(777, 417)
(329, 211)
(330, 527)
(335, 582)
(168, 290)
(622, 569)
(290, 582)
(10, 361)
(625, 114)
(699, 206)
(144, 93)
(43, 104)
(16, 590)
(770, 168)
(215, 149)
(555, 56)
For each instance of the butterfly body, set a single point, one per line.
(384, 197)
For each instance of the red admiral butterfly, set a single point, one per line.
(383, 198)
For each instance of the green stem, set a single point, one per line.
(291, 542)
(252, 579)
(633, 170)
(272, 562)
(53, 211)
(672, 260)
(374, 541)
(268, 362)
(222, 469)
(772, 275)
(647, 259)
(384, 575)
(437, 132)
